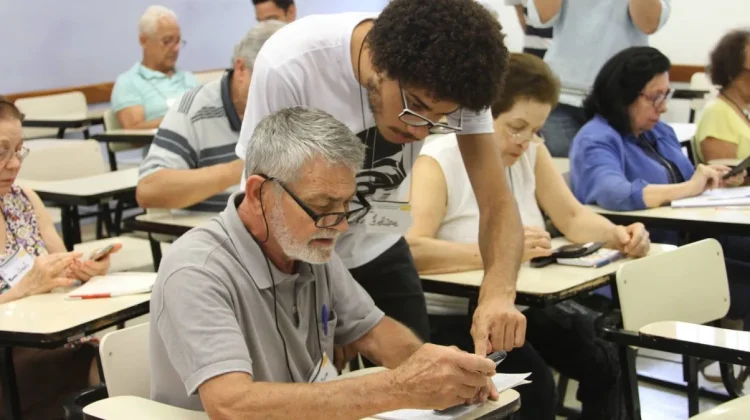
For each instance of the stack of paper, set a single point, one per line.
(502, 382)
(719, 197)
(113, 285)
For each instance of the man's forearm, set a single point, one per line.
(389, 343)
(345, 399)
(645, 14)
(437, 256)
(180, 188)
(547, 9)
(145, 125)
(501, 245)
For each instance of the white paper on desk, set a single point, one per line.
(503, 382)
(115, 285)
(719, 197)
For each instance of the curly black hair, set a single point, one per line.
(281, 4)
(728, 57)
(454, 49)
(620, 82)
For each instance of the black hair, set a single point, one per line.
(281, 4)
(620, 82)
(453, 49)
(728, 57)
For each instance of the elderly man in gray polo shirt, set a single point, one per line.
(191, 163)
(247, 308)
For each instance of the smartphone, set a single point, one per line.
(101, 252)
(742, 166)
(497, 356)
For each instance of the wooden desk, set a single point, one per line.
(92, 190)
(65, 121)
(50, 320)
(536, 286)
(166, 222)
(706, 220)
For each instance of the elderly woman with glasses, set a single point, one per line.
(445, 226)
(33, 260)
(625, 158)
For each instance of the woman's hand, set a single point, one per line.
(536, 243)
(48, 272)
(706, 177)
(85, 270)
(734, 181)
(632, 240)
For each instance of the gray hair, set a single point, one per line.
(285, 141)
(249, 46)
(149, 22)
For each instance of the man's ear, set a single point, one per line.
(291, 13)
(142, 39)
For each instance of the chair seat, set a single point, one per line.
(135, 254)
(736, 409)
(699, 334)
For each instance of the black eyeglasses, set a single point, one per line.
(327, 220)
(413, 119)
(659, 99)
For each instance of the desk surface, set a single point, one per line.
(717, 220)
(169, 222)
(50, 319)
(130, 407)
(684, 131)
(554, 281)
(72, 120)
(126, 136)
(85, 190)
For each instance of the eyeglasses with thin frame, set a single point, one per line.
(20, 154)
(520, 137)
(660, 99)
(327, 220)
(413, 119)
(170, 42)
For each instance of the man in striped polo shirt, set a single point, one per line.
(191, 163)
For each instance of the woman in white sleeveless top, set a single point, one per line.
(446, 224)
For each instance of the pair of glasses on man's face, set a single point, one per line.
(331, 219)
(659, 99)
(414, 119)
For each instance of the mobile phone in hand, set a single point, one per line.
(497, 356)
(100, 253)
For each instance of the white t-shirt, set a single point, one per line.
(461, 221)
(308, 62)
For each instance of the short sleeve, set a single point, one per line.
(125, 94)
(199, 329)
(356, 313)
(474, 122)
(176, 143)
(269, 92)
(718, 121)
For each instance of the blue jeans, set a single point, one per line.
(561, 127)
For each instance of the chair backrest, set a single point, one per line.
(125, 361)
(38, 107)
(69, 159)
(688, 284)
(207, 76)
(110, 120)
(701, 81)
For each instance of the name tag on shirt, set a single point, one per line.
(385, 217)
(15, 267)
(324, 371)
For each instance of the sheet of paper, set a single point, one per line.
(502, 382)
(719, 197)
(116, 284)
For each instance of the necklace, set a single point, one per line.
(744, 111)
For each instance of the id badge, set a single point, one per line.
(324, 371)
(385, 217)
(15, 267)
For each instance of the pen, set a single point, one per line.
(324, 315)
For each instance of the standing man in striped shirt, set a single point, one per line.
(537, 40)
(191, 163)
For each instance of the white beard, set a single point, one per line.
(295, 249)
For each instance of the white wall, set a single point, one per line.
(58, 43)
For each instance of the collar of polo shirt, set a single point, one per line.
(226, 99)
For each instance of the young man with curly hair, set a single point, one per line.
(419, 67)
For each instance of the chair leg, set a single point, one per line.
(112, 159)
(562, 389)
(630, 382)
(155, 251)
(690, 372)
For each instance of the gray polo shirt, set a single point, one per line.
(201, 129)
(212, 312)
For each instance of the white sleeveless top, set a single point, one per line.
(461, 222)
